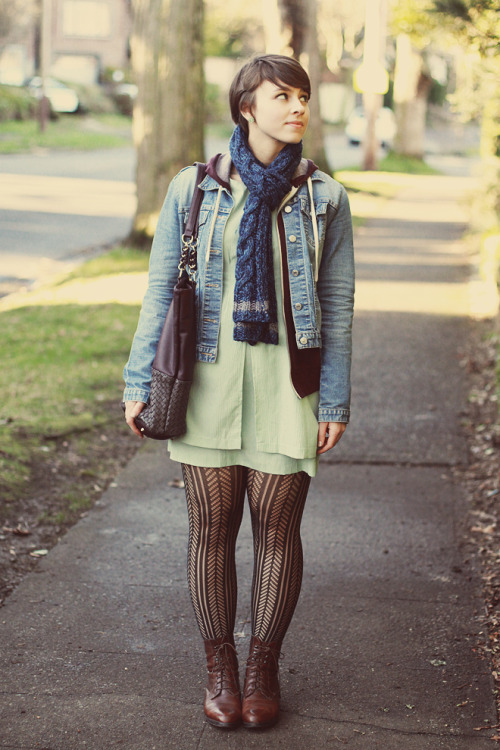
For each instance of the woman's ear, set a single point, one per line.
(247, 114)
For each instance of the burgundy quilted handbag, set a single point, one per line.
(172, 372)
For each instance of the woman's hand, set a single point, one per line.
(329, 434)
(132, 410)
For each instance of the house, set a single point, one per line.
(86, 37)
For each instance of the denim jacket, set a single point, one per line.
(319, 263)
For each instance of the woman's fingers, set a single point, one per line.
(322, 433)
(329, 434)
(132, 410)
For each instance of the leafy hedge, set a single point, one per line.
(16, 104)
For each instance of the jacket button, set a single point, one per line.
(292, 238)
(298, 306)
(303, 340)
(288, 209)
(295, 272)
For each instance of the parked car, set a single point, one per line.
(60, 96)
(385, 126)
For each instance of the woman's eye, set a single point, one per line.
(282, 96)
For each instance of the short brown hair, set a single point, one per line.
(274, 68)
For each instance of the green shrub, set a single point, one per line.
(16, 104)
(123, 102)
(215, 103)
(93, 99)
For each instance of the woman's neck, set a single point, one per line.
(264, 149)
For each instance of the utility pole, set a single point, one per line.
(45, 61)
(371, 77)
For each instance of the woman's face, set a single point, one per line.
(281, 116)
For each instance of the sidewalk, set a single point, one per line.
(99, 646)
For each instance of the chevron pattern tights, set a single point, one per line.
(215, 500)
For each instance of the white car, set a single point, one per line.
(385, 126)
(61, 97)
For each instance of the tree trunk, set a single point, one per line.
(314, 146)
(373, 56)
(411, 87)
(371, 105)
(167, 60)
(298, 36)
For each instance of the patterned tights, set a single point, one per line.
(215, 500)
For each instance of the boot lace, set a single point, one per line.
(225, 669)
(262, 671)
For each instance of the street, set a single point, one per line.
(58, 207)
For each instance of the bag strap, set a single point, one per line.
(191, 228)
(190, 236)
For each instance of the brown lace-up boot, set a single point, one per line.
(261, 694)
(222, 699)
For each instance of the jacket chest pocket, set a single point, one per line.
(309, 225)
(202, 217)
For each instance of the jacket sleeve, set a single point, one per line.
(163, 272)
(336, 296)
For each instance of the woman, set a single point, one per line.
(271, 386)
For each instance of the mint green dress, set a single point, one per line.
(243, 409)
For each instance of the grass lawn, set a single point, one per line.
(393, 162)
(368, 190)
(62, 368)
(85, 132)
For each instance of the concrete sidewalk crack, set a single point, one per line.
(203, 727)
(395, 730)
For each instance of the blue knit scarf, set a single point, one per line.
(254, 313)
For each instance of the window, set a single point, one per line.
(86, 18)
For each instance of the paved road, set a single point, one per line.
(99, 646)
(56, 207)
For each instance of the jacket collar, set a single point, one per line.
(219, 168)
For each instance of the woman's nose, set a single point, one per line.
(298, 105)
